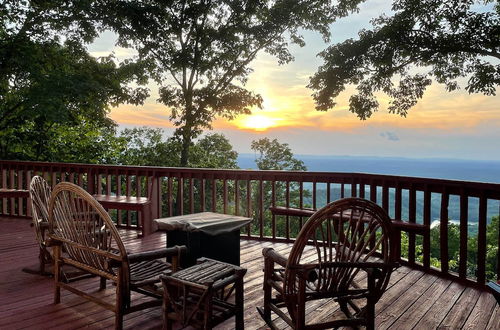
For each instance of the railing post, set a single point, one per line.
(91, 181)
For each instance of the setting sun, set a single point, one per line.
(257, 122)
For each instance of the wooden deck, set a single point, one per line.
(414, 300)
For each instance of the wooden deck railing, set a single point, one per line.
(414, 203)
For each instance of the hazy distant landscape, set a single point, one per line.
(454, 169)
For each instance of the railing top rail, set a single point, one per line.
(268, 175)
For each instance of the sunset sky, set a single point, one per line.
(442, 124)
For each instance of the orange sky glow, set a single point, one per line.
(442, 124)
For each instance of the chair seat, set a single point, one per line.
(148, 272)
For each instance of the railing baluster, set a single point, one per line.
(481, 240)
(314, 194)
(191, 195)
(287, 202)
(138, 187)
(129, 193)
(328, 192)
(180, 195)
(427, 224)
(12, 186)
(362, 190)
(108, 184)
(99, 184)
(261, 208)
(224, 196)
(249, 204)
(385, 197)
(301, 200)
(118, 181)
(373, 192)
(464, 207)
(53, 177)
(443, 229)
(412, 216)
(273, 204)
(202, 195)
(4, 185)
(237, 197)
(214, 193)
(20, 186)
(170, 195)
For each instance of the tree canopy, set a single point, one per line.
(149, 147)
(273, 155)
(200, 50)
(422, 41)
(50, 84)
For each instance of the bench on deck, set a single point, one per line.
(398, 225)
(130, 203)
(307, 212)
(13, 193)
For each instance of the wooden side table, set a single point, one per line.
(201, 295)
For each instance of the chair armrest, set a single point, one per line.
(270, 253)
(52, 242)
(157, 254)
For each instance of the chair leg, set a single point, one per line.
(118, 320)
(268, 271)
(300, 318)
(57, 274)
(167, 323)
(370, 304)
(102, 284)
(120, 308)
(239, 301)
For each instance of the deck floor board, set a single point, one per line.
(413, 299)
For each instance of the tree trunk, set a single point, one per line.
(186, 142)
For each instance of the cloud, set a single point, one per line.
(390, 136)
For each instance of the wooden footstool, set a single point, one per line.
(201, 295)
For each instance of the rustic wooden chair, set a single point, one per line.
(344, 253)
(40, 194)
(80, 225)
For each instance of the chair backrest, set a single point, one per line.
(348, 230)
(89, 236)
(39, 194)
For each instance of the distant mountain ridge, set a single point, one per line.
(453, 169)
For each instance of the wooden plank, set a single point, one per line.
(405, 300)
(460, 311)
(412, 315)
(494, 323)
(440, 307)
(480, 315)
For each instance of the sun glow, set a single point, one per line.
(257, 122)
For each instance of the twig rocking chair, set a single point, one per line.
(39, 195)
(344, 253)
(80, 225)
